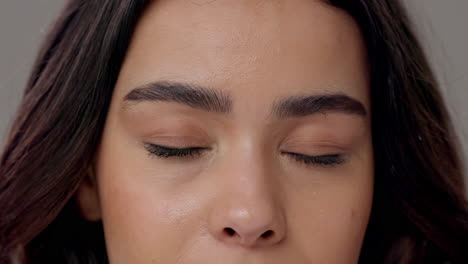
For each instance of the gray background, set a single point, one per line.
(442, 25)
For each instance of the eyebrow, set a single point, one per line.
(195, 96)
(302, 105)
(210, 100)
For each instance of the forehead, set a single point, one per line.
(277, 46)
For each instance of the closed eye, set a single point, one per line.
(168, 152)
(321, 160)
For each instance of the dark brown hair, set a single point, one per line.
(419, 212)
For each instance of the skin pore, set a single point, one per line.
(269, 102)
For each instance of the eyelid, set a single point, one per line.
(174, 147)
(320, 160)
(167, 152)
(170, 148)
(314, 148)
(178, 142)
(322, 146)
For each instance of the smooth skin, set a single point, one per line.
(243, 197)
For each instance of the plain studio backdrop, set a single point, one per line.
(441, 25)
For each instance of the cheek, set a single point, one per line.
(331, 230)
(143, 220)
(142, 224)
(331, 219)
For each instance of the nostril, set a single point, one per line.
(229, 231)
(267, 234)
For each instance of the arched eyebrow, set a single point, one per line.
(217, 101)
(195, 96)
(302, 105)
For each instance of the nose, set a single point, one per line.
(248, 229)
(247, 212)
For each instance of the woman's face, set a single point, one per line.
(268, 102)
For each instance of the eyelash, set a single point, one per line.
(322, 160)
(167, 152)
